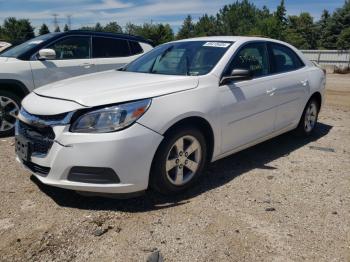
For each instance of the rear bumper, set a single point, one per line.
(129, 153)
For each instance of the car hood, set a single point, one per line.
(116, 86)
(9, 59)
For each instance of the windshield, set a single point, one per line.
(181, 58)
(26, 46)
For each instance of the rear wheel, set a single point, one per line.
(308, 120)
(179, 161)
(9, 108)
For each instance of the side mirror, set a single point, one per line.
(46, 54)
(237, 75)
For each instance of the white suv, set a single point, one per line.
(3, 46)
(58, 56)
(165, 115)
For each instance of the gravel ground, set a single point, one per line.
(287, 199)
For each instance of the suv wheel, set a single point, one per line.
(9, 107)
(179, 161)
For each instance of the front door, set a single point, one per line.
(72, 59)
(247, 107)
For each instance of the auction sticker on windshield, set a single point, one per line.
(217, 44)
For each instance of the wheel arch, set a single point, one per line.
(202, 125)
(14, 86)
(318, 97)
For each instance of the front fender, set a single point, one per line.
(17, 71)
(166, 111)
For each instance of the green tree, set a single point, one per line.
(131, 29)
(268, 26)
(113, 27)
(164, 33)
(239, 18)
(17, 31)
(295, 38)
(206, 26)
(157, 33)
(57, 29)
(322, 28)
(187, 29)
(98, 27)
(265, 12)
(342, 17)
(332, 35)
(66, 28)
(281, 14)
(44, 29)
(301, 31)
(343, 41)
(282, 21)
(87, 28)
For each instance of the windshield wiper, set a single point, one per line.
(123, 68)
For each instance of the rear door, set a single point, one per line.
(111, 53)
(247, 108)
(291, 84)
(73, 58)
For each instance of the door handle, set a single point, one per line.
(304, 82)
(271, 91)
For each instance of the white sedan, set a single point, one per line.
(158, 121)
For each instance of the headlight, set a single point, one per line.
(111, 118)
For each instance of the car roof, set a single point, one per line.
(107, 34)
(240, 39)
(231, 39)
(243, 39)
(57, 35)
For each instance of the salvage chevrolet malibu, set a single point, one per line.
(158, 121)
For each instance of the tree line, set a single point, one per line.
(331, 31)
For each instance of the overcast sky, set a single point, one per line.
(88, 12)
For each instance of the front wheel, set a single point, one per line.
(309, 118)
(9, 108)
(179, 161)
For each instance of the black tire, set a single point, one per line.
(302, 129)
(159, 179)
(4, 112)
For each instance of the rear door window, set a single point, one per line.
(103, 47)
(135, 48)
(284, 59)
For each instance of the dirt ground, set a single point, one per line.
(287, 199)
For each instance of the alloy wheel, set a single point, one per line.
(310, 117)
(183, 160)
(8, 111)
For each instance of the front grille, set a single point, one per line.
(37, 169)
(41, 138)
(52, 118)
(44, 120)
